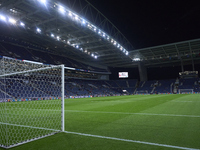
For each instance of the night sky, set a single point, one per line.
(151, 23)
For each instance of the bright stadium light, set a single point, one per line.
(136, 59)
(127, 52)
(61, 9)
(83, 21)
(52, 35)
(92, 55)
(38, 30)
(43, 2)
(76, 17)
(3, 18)
(22, 24)
(58, 38)
(70, 14)
(77, 46)
(95, 57)
(11, 20)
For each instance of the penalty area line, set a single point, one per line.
(132, 141)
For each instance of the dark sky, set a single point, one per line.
(151, 23)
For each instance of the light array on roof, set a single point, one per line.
(11, 20)
(136, 59)
(75, 18)
(92, 27)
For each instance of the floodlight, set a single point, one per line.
(127, 52)
(3, 18)
(38, 30)
(136, 59)
(104, 35)
(58, 38)
(43, 1)
(77, 46)
(92, 55)
(95, 29)
(22, 24)
(70, 14)
(95, 57)
(11, 20)
(61, 9)
(76, 17)
(83, 21)
(52, 35)
(108, 38)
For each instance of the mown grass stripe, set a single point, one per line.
(127, 113)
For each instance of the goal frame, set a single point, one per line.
(180, 91)
(62, 129)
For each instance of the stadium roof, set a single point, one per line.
(85, 35)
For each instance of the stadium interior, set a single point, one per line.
(27, 33)
(55, 56)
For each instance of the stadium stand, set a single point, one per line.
(146, 87)
(164, 86)
(77, 83)
(23, 50)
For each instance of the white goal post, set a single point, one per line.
(31, 101)
(185, 91)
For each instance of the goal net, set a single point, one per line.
(31, 101)
(185, 91)
(142, 92)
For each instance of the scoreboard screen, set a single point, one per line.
(123, 74)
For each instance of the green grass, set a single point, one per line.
(162, 119)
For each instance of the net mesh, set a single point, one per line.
(30, 101)
(185, 91)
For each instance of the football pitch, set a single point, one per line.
(138, 122)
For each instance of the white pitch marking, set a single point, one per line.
(105, 137)
(183, 101)
(132, 141)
